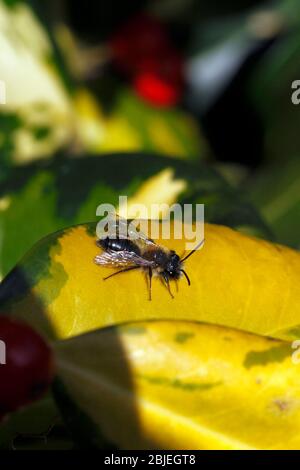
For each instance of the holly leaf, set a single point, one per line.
(236, 280)
(177, 385)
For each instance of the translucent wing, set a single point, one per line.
(122, 228)
(115, 259)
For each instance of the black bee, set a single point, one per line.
(141, 253)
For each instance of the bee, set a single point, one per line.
(139, 252)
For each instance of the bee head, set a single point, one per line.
(173, 266)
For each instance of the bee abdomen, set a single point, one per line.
(118, 244)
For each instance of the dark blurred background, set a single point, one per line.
(231, 122)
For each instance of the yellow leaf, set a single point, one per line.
(181, 385)
(236, 280)
(161, 189)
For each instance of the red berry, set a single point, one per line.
(142, 50)
(155, 90)
(161, 81)
(28, 369)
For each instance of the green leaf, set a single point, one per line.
(166, 131)
(275, 193)
(37, 426)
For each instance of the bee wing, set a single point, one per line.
(121, 227)
(122, 258)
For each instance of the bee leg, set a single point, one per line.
(169, 289)
(121, 271)
(168, 285)
(150, 284)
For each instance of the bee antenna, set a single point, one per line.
(193, 251)
(186, 276)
